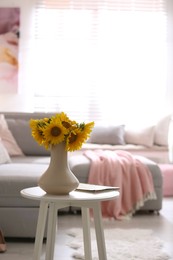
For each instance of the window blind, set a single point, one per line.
(100, 60)
(118, 5)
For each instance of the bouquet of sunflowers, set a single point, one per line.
(59, 128)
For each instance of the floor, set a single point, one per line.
(161, 224)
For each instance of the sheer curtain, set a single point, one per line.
(101, 60)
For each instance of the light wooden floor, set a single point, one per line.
(161, 224)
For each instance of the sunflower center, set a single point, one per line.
(66, 124)
(55, 131)
(72, 138)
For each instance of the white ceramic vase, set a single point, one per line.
(58, 179)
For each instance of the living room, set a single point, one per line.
(120, 52)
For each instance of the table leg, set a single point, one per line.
(51, 232)
(40, 230)
(99, 231)
(86, 233)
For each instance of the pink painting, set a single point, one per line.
(9, 46)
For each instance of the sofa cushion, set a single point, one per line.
(113, 135)
(143, 136)
(161, 131)
(8, 139)
(14, 178)
(24, 138)
(4, 156)
(80, 166)
(31, 159)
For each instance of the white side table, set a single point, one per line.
(84, 200)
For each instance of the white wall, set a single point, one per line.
(22, 100)
(170, 54)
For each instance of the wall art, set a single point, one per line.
(9, 49)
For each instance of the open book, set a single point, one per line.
(95, 188)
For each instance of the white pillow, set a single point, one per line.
(7, 138)
(143, 136)
(161, 131)
(4, 156)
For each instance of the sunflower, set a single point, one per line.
(38, 135)
(33, 123)
(37, 132)
(74, 140)
(54, 133)
(87, 128)
(67, 123)
(59, 128)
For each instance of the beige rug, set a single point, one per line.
(122, 244)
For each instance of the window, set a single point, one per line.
(102, 60)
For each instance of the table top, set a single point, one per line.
(36, 193)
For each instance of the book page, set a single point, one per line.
(95, 188)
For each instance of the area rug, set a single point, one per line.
(121, 244)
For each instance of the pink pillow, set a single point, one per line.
(7, 138)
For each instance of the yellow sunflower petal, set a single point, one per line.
(55, 132)
(74, 140)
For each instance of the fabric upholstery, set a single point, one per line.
(8, 139)
(144, 136)
(161, 131)
(24, 138)
(4, 156)
(107, 135)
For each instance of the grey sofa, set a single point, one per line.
(18, 216)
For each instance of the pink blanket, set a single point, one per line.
(120, 168)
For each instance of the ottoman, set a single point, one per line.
(167, 172)
(80, 166)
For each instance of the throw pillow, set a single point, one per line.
(7, 138)
(24, 138)
(4, 156)
(113, 135)
(143, 136)
(161, 131)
